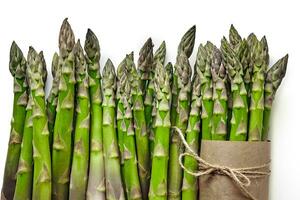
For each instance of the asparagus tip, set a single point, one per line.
(91, 46)
(54, 66)
(187, 42)
(234, 36)
(66, 38)
(16, 58)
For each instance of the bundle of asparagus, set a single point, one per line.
(114, 138)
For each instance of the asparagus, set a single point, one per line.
(145, 63)
(162, 125)
(63, 127)
(186, 45)
(260, 61)
(187, 42)
(24, 175)
(141, 137)
(248, 73)
(189, 185)
(179, 110)
(234, 37)
(96, 181)
(273, 80)
(183, 72)
(203, 64)
(114, 188)
(159, 56)
(131, 176)
(44, 67)
(17, 67)
(80, 161)
(40, 142)
(241, 48)
(52, 98)
(169, 70)
(121, 131)
(25, 169)
(220, 108)
(239, 120)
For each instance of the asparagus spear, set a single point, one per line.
(80, 161)
(52, 98)
(239, 120)
(121, 131)
(17, 67)
(63, 128)
(180, 106)
(44, 66)
(183, 71)
(162, 125)
(189, 185)
(141, 137)
(234, 38)
(273, 80)
(260, 62)
(145, 63)
(187, 42)
(169, 70)
(96, 180)
(186, 45)
(114, 188)
(40, 142)
(241, 48)
(203, 64)
(159, 56)
(220, 108)
(131, 176)
(25, 169)
(24, 175)
(248, 73)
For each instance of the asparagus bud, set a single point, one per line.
(274, 78)
(187, 42)
(145, 63)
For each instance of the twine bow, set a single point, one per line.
(240, 176)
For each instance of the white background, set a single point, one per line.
(123, 26)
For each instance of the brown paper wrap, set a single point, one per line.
(234, 155)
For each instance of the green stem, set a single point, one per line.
(25, 170)
(17, 68)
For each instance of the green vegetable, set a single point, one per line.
(203, 62)
(131, 176)
(41, 149)
(159, 56)
(96, 180)
(260, 62)
(80, 161)
(52, 98)
(162, 126)
(190, 183)
(183, 72)
(220, 107)
(141, 137)
(273, 80)
(145, 63)
(114, 188)
(121, 132)
(63, 127)
(25, 169)
(17, 67)
(239, 120)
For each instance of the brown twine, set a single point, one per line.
(240, 176)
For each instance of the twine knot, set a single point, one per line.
(240, 176)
